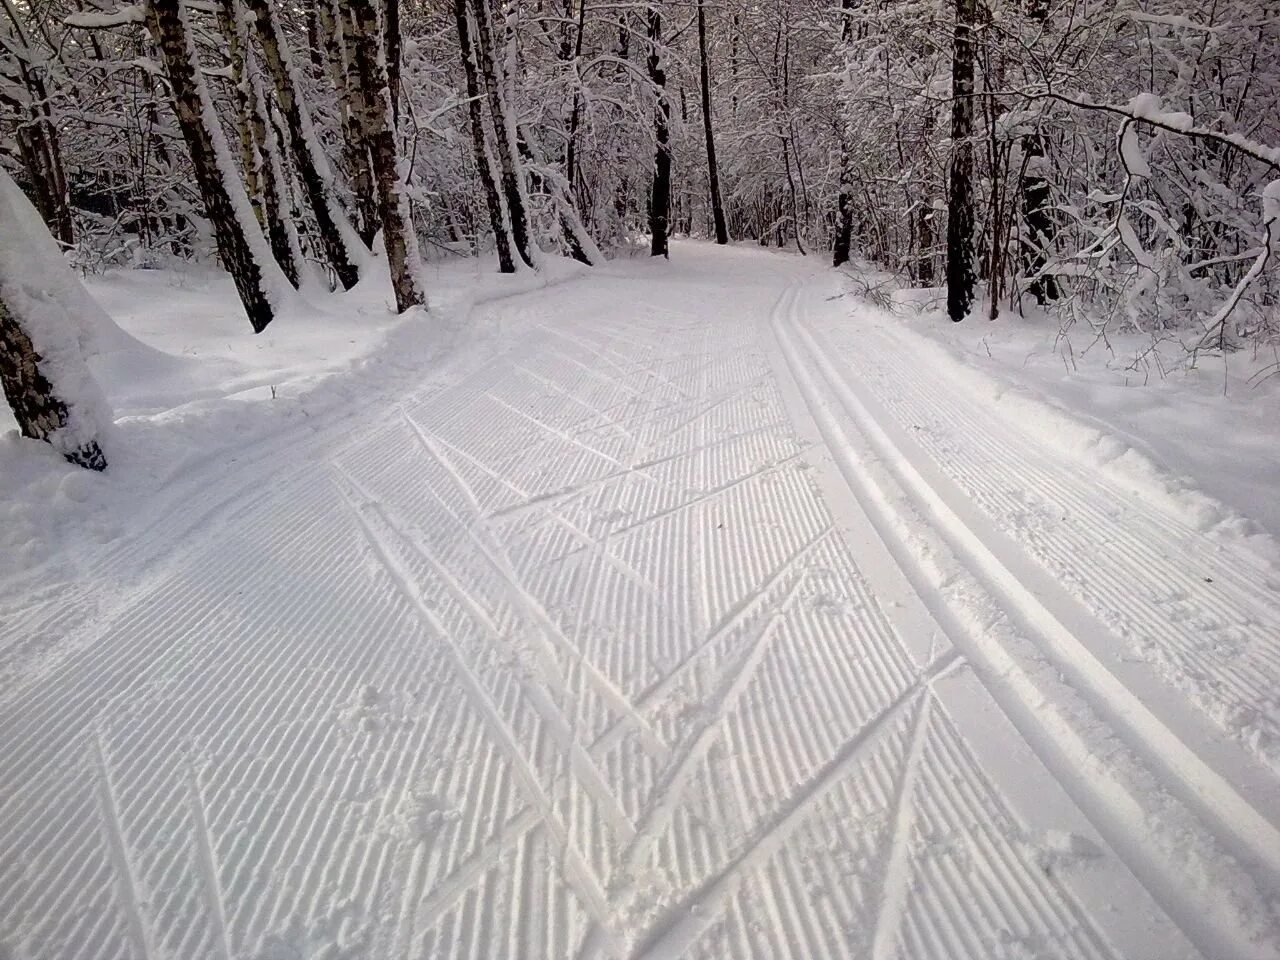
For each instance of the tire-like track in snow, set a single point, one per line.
(642, 638)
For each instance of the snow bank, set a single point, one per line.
(1161, 437)
(64, 323)
(197, 396)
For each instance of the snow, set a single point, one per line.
(669, 608)
(1135, 161)
(52, 308)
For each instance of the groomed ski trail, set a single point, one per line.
(693, 622)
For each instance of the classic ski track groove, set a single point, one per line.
(564, 656)
(1189, 771)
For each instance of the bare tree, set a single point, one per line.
(713, 168)
(660, 192)
(480, 140)
(313, 168)
(240, 242)
(961, 278)
(361, 18)
(510, 175)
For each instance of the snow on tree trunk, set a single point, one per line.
(361, 18)
(508, 163)
(42, 339)
(336, 234)
(844, 192)
(257, 146)
(713, 169)
(241, 245)
(480, 141)
(660, 192)
(392, 52)
(960, 217)
(42, 155)
(345, 76)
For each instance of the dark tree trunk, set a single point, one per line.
(380, 138)
(961, 279)
(38, 410)
(42, 156)
(660, 193)
(1037, 214)
(345, 76)
(843, 245)
(508, 162)
(713, 169)
(479, 140)
(924, 244)
(572, 229)
(257, 149)
(312, 167)
(41, 152)
(392, 48)
(314, 49)
(166, 21)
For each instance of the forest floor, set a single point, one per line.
(687, 609)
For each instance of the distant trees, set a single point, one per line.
(956, 141)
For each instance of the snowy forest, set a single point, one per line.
(640, 479)
(1114, 163)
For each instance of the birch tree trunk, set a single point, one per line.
(660, 193)
(33, 317)
(480, 140)
(713, 169)
(361, 18)
(961, 279)
(508, 163)
(313, 168)
(844, 196)
(38, 142)
(39, 411)
(42, 155)
(237, 234)
(393, 50)
(345, 75)
(257, 147)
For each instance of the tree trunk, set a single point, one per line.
(38, 410)
(380, 138)
(660, 193)
(713, 170)
(345, 77)
(241, 245)
(42, 155)
(1038, 216)
(40, 150)
(312, 166)
(27, 307)
(508, 163)
(576, 237)
(392, 48)
(960, 218)
(257, 148)
(843, 245)
(480, 141)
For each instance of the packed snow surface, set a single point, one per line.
(690, 609)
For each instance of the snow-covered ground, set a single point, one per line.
(682, 609)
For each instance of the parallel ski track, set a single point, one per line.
(566, 658)
(1209, 616)
(1115, 813)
